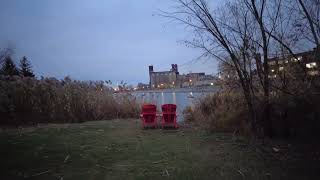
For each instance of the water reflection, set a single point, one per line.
(174, 98)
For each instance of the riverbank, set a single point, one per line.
(180, 90)
(120, 149)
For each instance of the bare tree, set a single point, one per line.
(242, 32)
(245, 35)
(266, 15)
(310, 12)
(219, 39)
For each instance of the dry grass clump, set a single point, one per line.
(221, 111)
(290, 116)
(296, 115)
(30, 101)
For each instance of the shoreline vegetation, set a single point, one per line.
(189, 89)
(29, 101)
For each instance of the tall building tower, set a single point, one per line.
(150, 74)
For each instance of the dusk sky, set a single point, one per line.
(97, 39)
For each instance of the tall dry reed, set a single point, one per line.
(30, 101)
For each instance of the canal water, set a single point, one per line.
(181, 99)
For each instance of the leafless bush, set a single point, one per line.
(220, 112)
(291, 115)
(29, 101)
(296, 106)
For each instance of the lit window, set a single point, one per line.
(286, 61)
(281, 68)
(272, 70)
(272, 63)
(294, 59)
(311, 65)
(299, 58)
(280, 62)
(313, 73)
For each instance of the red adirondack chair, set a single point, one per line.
(169, 116)
(149, 115)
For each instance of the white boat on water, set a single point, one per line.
(190, 95)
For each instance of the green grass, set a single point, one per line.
(120, 149)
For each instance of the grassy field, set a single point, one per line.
(120, 149)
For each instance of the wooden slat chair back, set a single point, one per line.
(169, 115)
(149, 115)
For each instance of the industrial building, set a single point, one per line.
(172, 79)
(164, 79)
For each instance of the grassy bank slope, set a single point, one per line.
(119, 149)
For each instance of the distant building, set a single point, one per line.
(164, 79)
(142, 86)
(309, 60)
(172, 78)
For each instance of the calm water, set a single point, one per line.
(181, 99)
